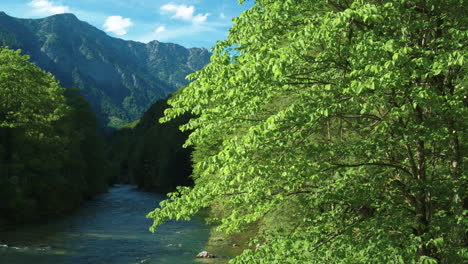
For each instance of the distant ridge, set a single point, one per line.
(121, 79)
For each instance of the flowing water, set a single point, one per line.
(111, 229)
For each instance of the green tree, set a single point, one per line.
(31, 100)
(51, 157)
(354, 111)
(29, 97)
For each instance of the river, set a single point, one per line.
(110, 229)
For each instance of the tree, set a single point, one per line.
(51, 157)
(29, 97)
(31, 100)
(351, 110)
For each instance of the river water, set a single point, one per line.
(111, 229)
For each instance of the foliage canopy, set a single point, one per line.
(51, 156)
(353, 111)
(29, 97)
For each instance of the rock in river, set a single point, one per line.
(205, 254)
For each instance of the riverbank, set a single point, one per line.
(226, 247)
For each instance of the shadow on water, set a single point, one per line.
(112, 229)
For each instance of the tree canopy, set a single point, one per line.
(347, 115)
(51, 156)
(29, 97)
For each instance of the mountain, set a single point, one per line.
(119, 78)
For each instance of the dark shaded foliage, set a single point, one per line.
(150, 154)
(51, 156)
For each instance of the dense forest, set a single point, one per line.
(333, 132)
(51, 155)
(150, 154)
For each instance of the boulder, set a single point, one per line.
(205, 254)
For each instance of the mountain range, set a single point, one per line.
(121, 79)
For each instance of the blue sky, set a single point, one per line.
(191, 23)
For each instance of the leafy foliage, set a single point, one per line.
(51, 156)
(354, 111)
(29, 97)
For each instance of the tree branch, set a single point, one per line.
(382, 164)
(335, 235)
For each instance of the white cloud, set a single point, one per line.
(200, 18)
(185, 32)
(222, 15)
(185, 12)
(117, 25)
(160, 29)
(48, 7)
(181, 11)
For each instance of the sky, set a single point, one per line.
(190, 23)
